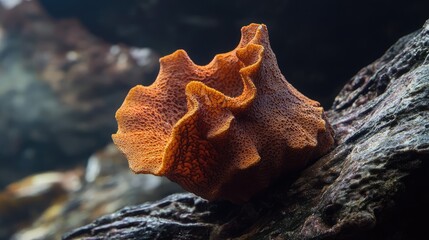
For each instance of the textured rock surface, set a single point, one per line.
(373, 185)
(59, 88)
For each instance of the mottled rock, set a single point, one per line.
(44, 206)
(373, 185)
(59, 89)
(22, 202)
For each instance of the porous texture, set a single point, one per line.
(373, 185)
(225, 130)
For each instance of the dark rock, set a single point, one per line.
(373, 185)
(59, 90)
(319, 44)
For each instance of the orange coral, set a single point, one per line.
(224, 130)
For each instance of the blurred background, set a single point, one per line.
(66, 66)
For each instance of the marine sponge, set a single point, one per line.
(225, 130)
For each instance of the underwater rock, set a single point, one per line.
(22, 202)
(44, 206)
(226, 130)
(373, 185)
(59, 88)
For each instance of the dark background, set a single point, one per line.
(319, 44)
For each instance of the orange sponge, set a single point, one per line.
(225, 130)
